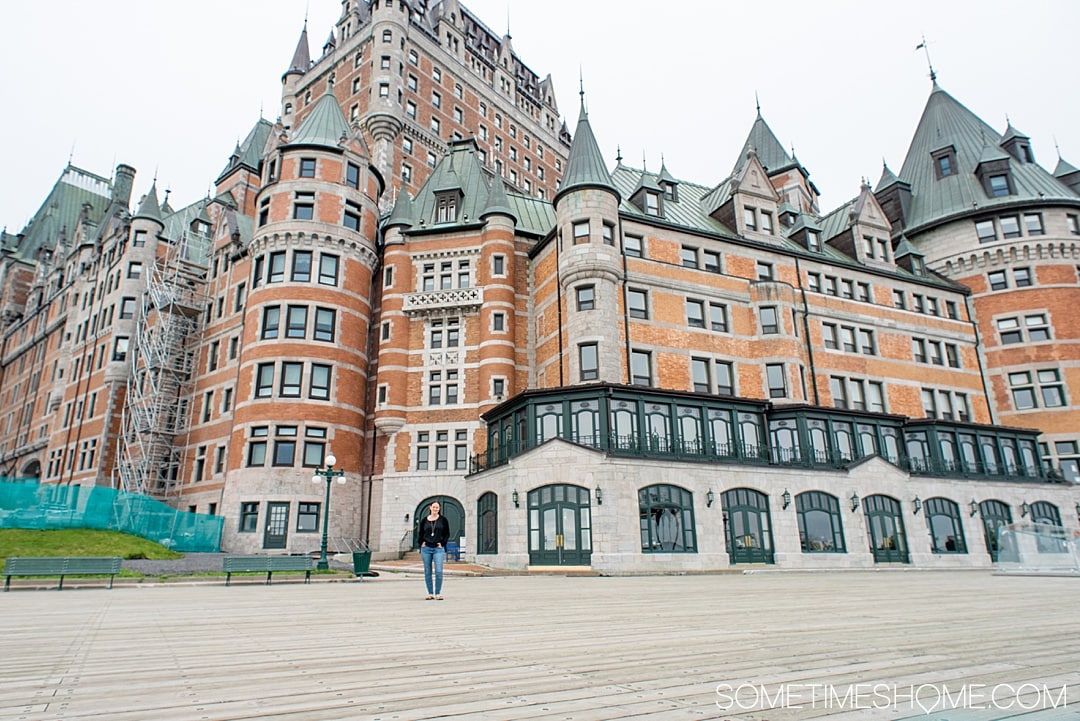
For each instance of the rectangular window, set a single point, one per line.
(498, 265)
(986, 231)
(134, 271)
(581, 232)
(352, 175)
(208, 406)
(863, 292)
(638, 302)
(718, 320)
(275, 272)
(776, 379)
(725, 378)
(351, 218)
(829, 337)
(695, 313)
(1009, 330)
(586, 297)
(838, 390)
(766, 222)
(640, 368)
(1021, 277)
(307, 517)
(699, 375)
(847, 339)
(1033, 224)
(292, 374)
(1010, 226)
(997, 280)
(813, 282)
(212, 355)
(749, 218)
(689, 256)
(999, 186)
(297, 322)
(320, 382)
(226, 400)
(764, 270)
(607, 228)
(264, 380)
(951, 310)
(284, 453)
(324, 324)
(270, 322)
(249, 516)
(711, 260)
(770, 324)
(127, 308)
(952, 355)
(633, 246)
(1037, 327)
(589, 361)
(1073, 222)
(328, 269)
(301, 266)
(120, 348)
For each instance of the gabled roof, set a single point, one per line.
(585, 167)
(763, 141)
(323, 126)
(946, 122)
(62, 208)
(249, 153)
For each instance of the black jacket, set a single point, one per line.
(434, 533)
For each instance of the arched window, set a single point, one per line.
(720, 431)
(845, 445)
(750, 434)
(487, 520)
(1045, 512)
(549, 421)
(667, 519)
(625, 422)
(819, 441)
(820, 526)
(917, 451)
(946, 530)
(690, 429)
(995, 514)
(586, 420)
(658, 420)
(785, 441)
(1050, 535)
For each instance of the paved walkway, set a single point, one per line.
(575, 649)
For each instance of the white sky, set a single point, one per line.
(171, 86)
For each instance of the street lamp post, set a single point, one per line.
(327, 473)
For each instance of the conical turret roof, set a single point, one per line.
(150, 207)
(402, 214)
(324, 125)
(585, 166)
(888, 177)
(497, 202)
(301, 60)
(763, 141)
(1063, 168)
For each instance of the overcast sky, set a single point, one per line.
(171, 86)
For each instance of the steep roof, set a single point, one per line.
(249, 153)
(585, 167)
(61, 209)
(323, 126)
(946, 122)
(150, 208)
(497, 201)
(888, 177)
(769, 150)
(301, 60)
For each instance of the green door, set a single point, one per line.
(995, 514)
(560, 526)
(452, 511)
(887, 538)
(748, 533)
(276, 533)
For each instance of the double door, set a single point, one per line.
(560, 526)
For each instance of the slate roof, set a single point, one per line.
(249, 153)
(945, 121)
(301, 60)
(769, 150)
(150, 208)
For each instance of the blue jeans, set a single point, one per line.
(433, 557)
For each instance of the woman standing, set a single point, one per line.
(434, 533)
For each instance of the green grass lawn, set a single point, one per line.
(79, 542)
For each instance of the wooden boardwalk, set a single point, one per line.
(547, 648)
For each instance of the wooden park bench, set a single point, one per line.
(61, 566)
(267, 564)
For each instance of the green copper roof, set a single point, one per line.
(1012, 133)
(150, 208)
(402, 214)
(534, 215)
(249, 153)
(690, 211)
(904, 248)
(1063, 168)
(323, 126)
(62, 208)
(496, 200)
(887, 178)
(769, 150)
(946, 122)
(585, 167)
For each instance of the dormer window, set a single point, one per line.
(944, 162)
(446, 207)
(1025, 153)
(652, 203)
(999, 186)
(917, 266)
(813, 241)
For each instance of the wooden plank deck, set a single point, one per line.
(532, 648)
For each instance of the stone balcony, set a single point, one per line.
(438, 302)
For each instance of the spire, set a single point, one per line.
(926, 48)
(585, 164)
(757, 103)
(301, 60)
(497, 202)
(330, 44)
(150, 208)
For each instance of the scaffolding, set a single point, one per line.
(163, 364)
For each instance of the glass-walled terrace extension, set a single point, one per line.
(649, 423)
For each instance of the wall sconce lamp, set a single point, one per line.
(599, 496)
(514, 498)
(1024, 508)
(918, 505)
(974, 506)
(787, 498)
(710, 497)
(406, 518)
(854, 502)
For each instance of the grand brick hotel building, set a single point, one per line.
(419, 266)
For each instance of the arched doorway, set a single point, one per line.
(487, 519)
(748, 531)
(560, 526)
(995, 514)
(452, 510)
(31, 470)
(888, 541)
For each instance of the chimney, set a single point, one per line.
(122, 182)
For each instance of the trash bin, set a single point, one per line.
(361, 563)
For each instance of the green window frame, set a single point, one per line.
(666, 517)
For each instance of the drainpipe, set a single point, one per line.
(979, 359)
(806, 334)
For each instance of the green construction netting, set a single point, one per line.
(31, 505)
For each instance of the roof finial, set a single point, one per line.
(644, 164)
(618, 154)
(757, 103)
(507, 19)
(926, 49)
(1056, 147)
(71, 155)
(581, 90)
(307, 6)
